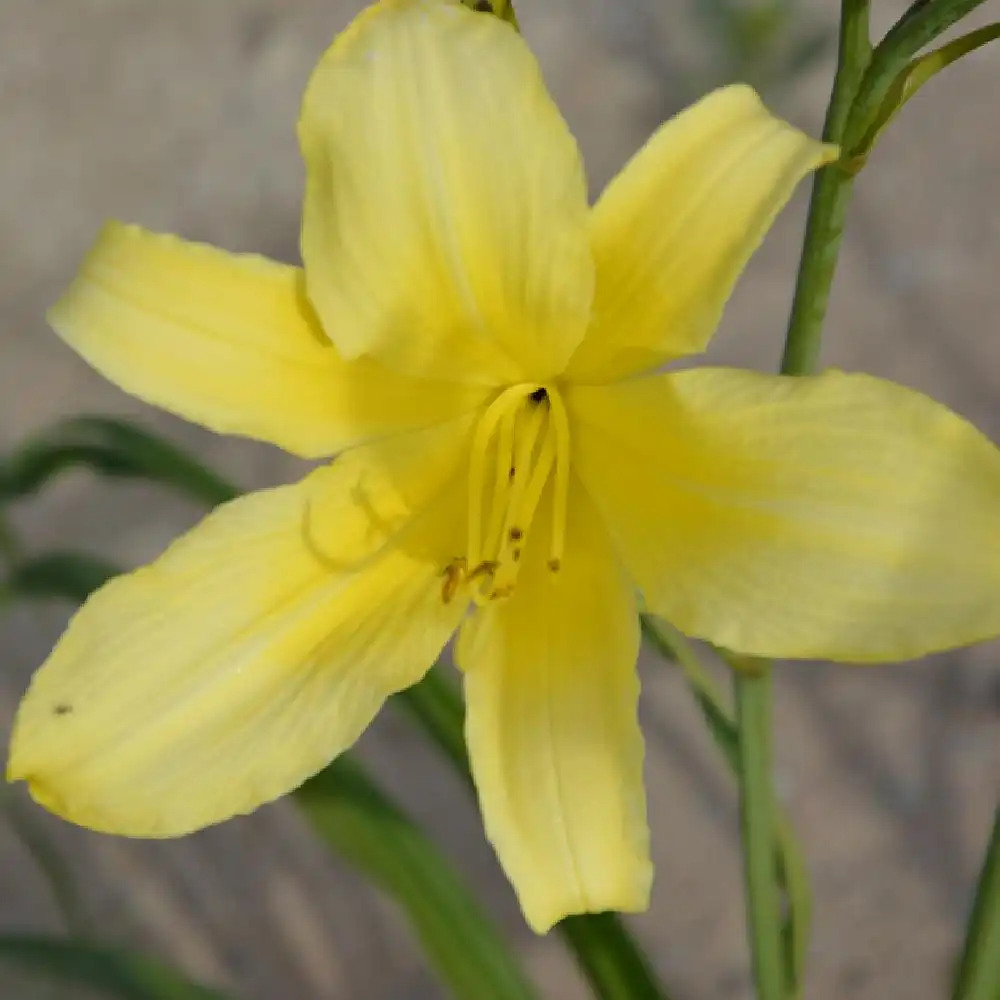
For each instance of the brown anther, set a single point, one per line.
(454, 574)
(515, 534)
(485, 568)
(555, 565)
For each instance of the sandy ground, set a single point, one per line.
(180, 116)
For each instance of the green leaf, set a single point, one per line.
(924, 21)
(363, 826)
(121, 974)
(69, 575)
(793, 877)
(48, 859)
(977, 975)
(109, 447)
(916, 74)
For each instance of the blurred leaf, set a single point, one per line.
(120, 974)
(69, 575)
(109, 447)
(977, 974)
(22, 822)
(793, 877)
(916, 74)
(363, 826)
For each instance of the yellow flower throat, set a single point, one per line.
(521, 440)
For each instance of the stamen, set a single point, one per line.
(501, 484)
(509, 399)
(522, 460)
(530, 426)
(524, 511)
(454, 574)
(560, 490)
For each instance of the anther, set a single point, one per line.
(539, 394)
(515, 534)
(453, 575)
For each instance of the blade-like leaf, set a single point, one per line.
(917, 73)
(122, 975)
(109, 447)
(363, 826)
(69, 575)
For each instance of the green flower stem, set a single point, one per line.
(752, 687)
(830, 197)
(613, 964)
(978, 976)
(790, 867)
(758, 828)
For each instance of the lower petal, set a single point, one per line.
(257, 648)
(836, 516)
(555, 745)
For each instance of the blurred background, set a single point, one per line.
(181, 116)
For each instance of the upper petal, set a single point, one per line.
(231, 342)
(836, 516)
(252, 652)
(444, 226)
(556, 751)
(672, 232)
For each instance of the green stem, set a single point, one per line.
(830, 197)
(978, 976)
(825, 228)
(759, 832)
(614, 965)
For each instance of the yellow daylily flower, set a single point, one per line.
(481, 347)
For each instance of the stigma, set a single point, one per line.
(520, 443)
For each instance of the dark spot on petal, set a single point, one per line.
(513, 471)
(516, 534)
(538, 395)
(555, 565)
(515, 554)
(484, 7)
(62, 709)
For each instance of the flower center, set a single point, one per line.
(521, 440)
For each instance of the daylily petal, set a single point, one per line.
(231, 342)
(674, 230)
(256, 649)
(836, 516)
(556, 750)
(445, 218)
